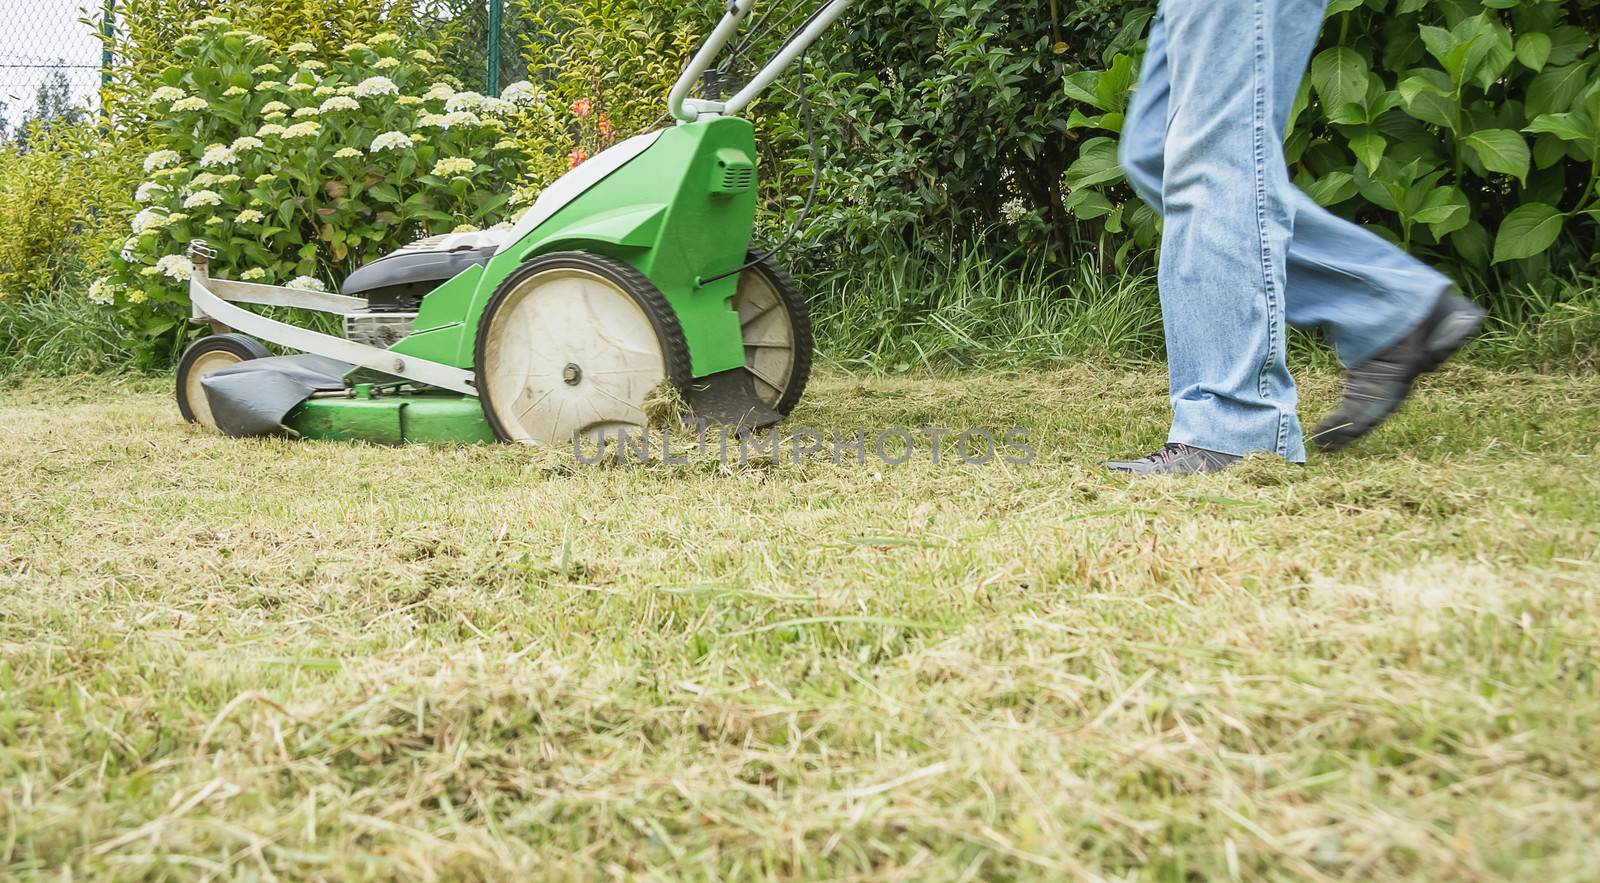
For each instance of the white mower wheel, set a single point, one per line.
(777, 333)
(211, 353)
(571, 345)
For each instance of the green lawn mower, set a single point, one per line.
(631, 271)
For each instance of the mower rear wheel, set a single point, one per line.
(204, 356)
(777, 333)
(571, 345)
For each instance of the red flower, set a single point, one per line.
(576, 158)
(606, 129)
(583, 107)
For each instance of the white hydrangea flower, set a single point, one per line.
(214, 221)
(274, 107)
(193, 102)
(168, 173)
(266, 179)
(376, 86)
(301, 48)
(356, 47)
(408, 101)
(264, 69)
(464, 228)
(275, 117)
(346, 153)
(166, 94)
(208, 21)
(1013, 210)
(250, 216)
(218, 155)
(497, 106)
(150, 190)
(269, 130)
(101, 292)
(233, 91)
(161, 159)
(246, 142)
(301, 87)
(266, 85)
(324, 91)
(340, 102)
(390, 141)
(439, 92)
(520, 92)
(311, 64)
(176, 266)
(461, 118)
(175, 217)
(304, 112)
(204, 179)
(385, 64)
(202, 198)
(135, 295)
(385, 37)
(307, 129)
(227, 179)
(451, 166)
(433, 120)
(307, 283)
(425, 56)
(345, 90)
(463, 101)
(254, 273)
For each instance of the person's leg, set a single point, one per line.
(1225, 197)
(1364, 291)
(1144, 126)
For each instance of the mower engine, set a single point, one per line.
(394, 285)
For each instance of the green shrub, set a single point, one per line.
(62, 191)
(298, 166)
(1464, 130)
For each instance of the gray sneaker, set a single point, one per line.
(1176, 459)
(1378, 387)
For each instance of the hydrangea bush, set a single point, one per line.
(297, 167)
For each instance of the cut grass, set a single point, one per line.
(310, 660)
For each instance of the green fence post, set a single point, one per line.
(494, 46)
(108, 33)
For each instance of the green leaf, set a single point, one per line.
(1340, 76)
(1368, 146)
(1338, 6)
(1557, 89)
(1472, 242)
(1332, 188)
(1533, 50)
(1528, 231)
(1566, 126)
(1096, 164)
(1088, 204)
(1501, 150)
(1081, 86)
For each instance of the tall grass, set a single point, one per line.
(905, 311)
(58, 332)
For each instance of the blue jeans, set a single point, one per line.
(1243, 250)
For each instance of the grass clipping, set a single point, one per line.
(665, 407)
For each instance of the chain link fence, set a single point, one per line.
(51, 59)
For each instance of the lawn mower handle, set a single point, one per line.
(688, 110)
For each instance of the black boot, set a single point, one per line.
(1377, 387)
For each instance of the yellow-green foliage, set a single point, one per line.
(57, 196)
(606, 65)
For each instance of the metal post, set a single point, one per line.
(495, 11)
(108, 33)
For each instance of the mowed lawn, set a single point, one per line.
(271, 659)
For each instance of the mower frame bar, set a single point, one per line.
(687, 110)
(218, 307)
